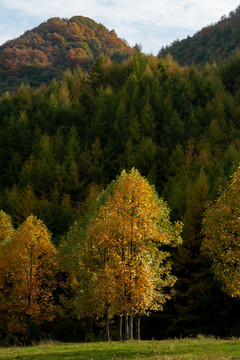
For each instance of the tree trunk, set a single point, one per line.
(74, 330)
(120, 327)
(126, 328)
(29, 330)
(138, 330)
(29, 297)
(131, 326)
(107, 332)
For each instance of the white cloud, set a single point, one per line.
(134, 20)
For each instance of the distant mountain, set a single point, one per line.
(213, 43)
(47, 50)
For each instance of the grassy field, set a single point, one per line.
(199, 348)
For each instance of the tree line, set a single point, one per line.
(115, 260)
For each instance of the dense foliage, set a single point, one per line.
(118, 255)
(214, 43)
(44, 52)
(61, 144)
(221, 244)
(27, 264)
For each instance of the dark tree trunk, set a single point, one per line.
(29, 297)
(126, 328)
(107, 332)
(138, 330)
(131, 326)
(75, 330)
(120, 327)
(29, 336)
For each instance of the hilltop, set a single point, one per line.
(43, 53)
(214, 43)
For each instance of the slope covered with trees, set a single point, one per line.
(61, 144)
(214, 43)
(44, 52)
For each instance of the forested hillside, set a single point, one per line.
(213, 43)
(61, 144)
(43, 53)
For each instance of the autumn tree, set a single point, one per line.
(81, 289)
(28, 257)
(221, 229)
(125, 252)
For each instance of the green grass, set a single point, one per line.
(199, 348)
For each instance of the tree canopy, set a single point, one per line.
(125, 250)
(27, 267)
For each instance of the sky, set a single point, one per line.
(149, 23)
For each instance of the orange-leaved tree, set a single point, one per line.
(125, 253)
(221, 229)
(29, 260)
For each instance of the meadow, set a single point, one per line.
(200, 348)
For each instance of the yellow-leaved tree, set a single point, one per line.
(124, 257)
(221, 229)
(28, 266)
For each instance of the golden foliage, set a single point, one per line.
(121, 260)
(26, 275)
